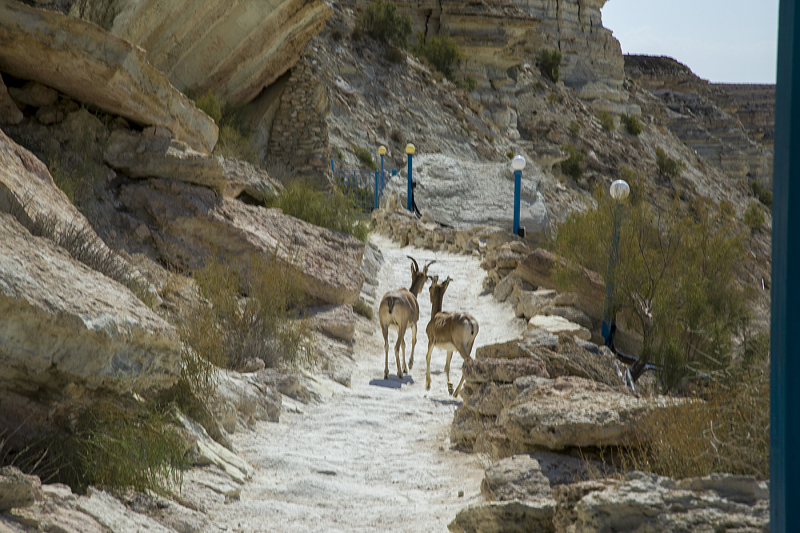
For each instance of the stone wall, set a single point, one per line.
(299, 138)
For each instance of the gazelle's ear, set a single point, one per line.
(446, 282)
(434, 280)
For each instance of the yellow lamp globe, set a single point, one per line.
(382, 150)
(410, 149)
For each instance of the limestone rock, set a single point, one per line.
(502, 370)
(9, 112)
(571, 411)
(17, 489)
(93, 66)
(531, 303)
(572, 314)
(143, 155)
(285, 384)
(468, 425)
(114, 516)
(249, 397)
(463, 193)
(559, 326)
(235, 49)
(62, 319)
(28, 191)
(34, 94)
(506, 517)
(208, 451)
(489, 398)
(336, 320)
(516, 478)
(645, 502)
(192, 221)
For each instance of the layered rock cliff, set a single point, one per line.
(235, 48)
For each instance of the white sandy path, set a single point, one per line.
(376, 456)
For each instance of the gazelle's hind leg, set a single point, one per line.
(413, 344)
(385, 330)
(464, 351)
(401, 333)
(428, 361)
(447, 371)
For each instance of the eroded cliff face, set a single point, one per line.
(730, 125)
(235, 48)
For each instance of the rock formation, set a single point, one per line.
(192, 222)
(93, 66)
(235, 49)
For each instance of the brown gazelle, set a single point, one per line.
(399, 309)
(449, 331)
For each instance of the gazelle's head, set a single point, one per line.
(418, 278)
(437, 291)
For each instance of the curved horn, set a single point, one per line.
(446, 282)
(416, 266)
(425, 270)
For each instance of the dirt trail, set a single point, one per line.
(375, 456)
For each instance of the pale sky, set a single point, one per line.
(732, 41)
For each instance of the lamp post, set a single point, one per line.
(518, 163)
(379, 184)
(410, 151)
(619, 192)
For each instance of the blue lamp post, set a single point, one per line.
(379, 184)
(518, 163)
(410, 151)
(619, 192)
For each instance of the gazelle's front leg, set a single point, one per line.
(447, 371)
(385, 330)
(413, 344)
(428, 370)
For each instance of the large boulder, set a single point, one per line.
(192, 222)
(233, 48)
(515, 478)
(147, 155)
(463, 194)
(93, 66)
(506, 517)
(645, 502)
(62, 320)
(575, 412)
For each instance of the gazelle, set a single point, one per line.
(450, 331)
(398, 309)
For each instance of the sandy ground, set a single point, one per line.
(375, 456)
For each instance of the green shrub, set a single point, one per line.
(672, 279)
(574, 128)
(363, 309)
(510, 154)
(441, 51)
(763, 194)
(549, 64)
(668, 167)
(234, 139)
(754, 217)
(572, 165)
(469, 84)
(119, 447)
(552, 98)
(336, 34)
(606, 120)
(395, 55)
(381, 21)
(365, 156)
(631, 124)
(334, 211)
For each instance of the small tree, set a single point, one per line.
(441, 51)
(668, 167)
(672, 279)
(754, 217)
(631, 124)
(606, 120)
(381, 21)
(549, 63)
(572, 165)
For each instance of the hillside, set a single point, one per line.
(157, 296)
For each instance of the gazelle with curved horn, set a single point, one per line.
(449, 331)
(398, 310)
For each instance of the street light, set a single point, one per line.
(379, 188)
(518, 163)
(410, 151)
(619, 192)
